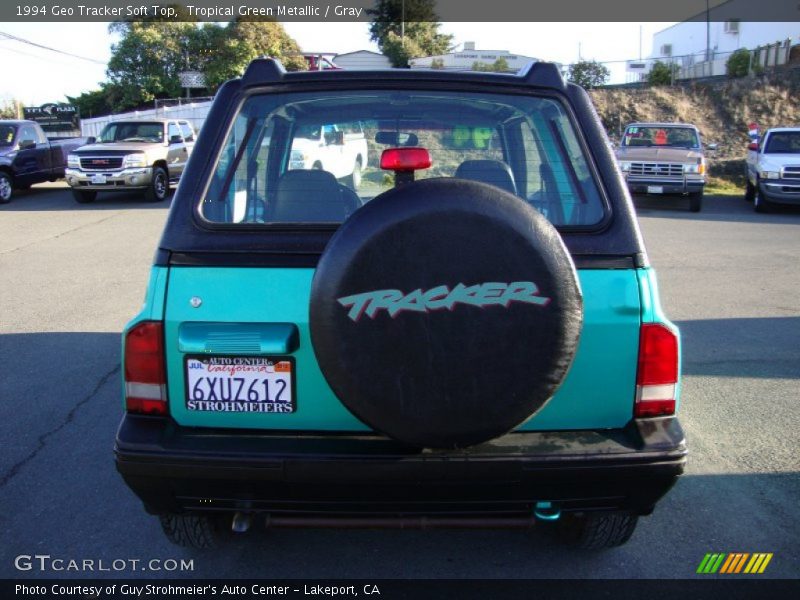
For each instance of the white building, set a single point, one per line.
(685, 44)
(362, 60)
(466, 58)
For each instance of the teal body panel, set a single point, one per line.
(597, 393)
(652, 312)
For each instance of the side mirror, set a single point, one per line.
(91, 139)
(175, 139)
(339, 138)
(753, 146)
(27, 144)
(712, 146)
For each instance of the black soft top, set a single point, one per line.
(189, 240)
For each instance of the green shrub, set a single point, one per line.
(662, 73)
(738, 63)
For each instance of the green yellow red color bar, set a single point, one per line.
(734, 562)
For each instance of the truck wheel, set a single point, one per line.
(354, 179)
(761, 204)
(189, 530)
(696, 201)
(416, 343)
(596, 531)
(82, 197)
(749, 191)
(6, 188)
(159, 186)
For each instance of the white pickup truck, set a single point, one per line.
(339, 149)
(773, 169)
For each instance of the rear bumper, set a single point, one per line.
(781, 192)
(670, 186)
(309, 477)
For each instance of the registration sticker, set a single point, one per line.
(655, 189)
(246, 384)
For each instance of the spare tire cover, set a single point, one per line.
(445, 313)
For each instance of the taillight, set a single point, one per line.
(405, 159)
(145, 379)
(657, 374)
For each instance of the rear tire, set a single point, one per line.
(159, 186)
(82, 197)
(696, 202)
(596, 531)
(6, 188)
(354, 179)
(749, 192)
(190, 530)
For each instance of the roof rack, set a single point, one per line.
(263, 70)
(538, 74)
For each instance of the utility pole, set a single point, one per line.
(640, 42)
(708, 36)
(403, 23)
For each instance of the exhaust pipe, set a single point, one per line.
(241, 522)
(545, 511)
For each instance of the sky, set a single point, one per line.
(34, 75)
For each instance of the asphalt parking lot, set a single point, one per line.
(74, 274)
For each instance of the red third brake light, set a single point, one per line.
(405, 159)
(657, 375)
(145, 379)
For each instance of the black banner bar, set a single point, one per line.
(730, 588)
(358, 10)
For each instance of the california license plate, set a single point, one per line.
(247, 384)
(98, 179)
(655, 189)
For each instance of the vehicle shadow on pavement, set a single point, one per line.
(60, 198)
(715, 208)
(743, 347)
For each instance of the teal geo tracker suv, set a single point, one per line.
(467, 334)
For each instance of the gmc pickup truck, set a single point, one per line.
(663, 158)
(773, 169)
(28, 157)
(145, 155)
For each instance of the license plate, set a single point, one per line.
(655, 189)
(243, 384)
(98, 179)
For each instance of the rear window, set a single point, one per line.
(315, 158)
(661, 135)
(783, 142)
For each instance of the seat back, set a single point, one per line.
(310, 195)
(493, 172)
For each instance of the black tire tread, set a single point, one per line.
(84, 197)
(189, 530)
(601, 530)
(696, 202)
(150, 193)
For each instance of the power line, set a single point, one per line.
(24, 41)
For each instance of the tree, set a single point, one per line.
(234, 46)
(588, 73)
(8, 109)
(738, 63)
(406, 30)
(498, 66)
(144, 65)
(151, 53)
(662, 73)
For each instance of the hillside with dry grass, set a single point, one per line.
(721, 110)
